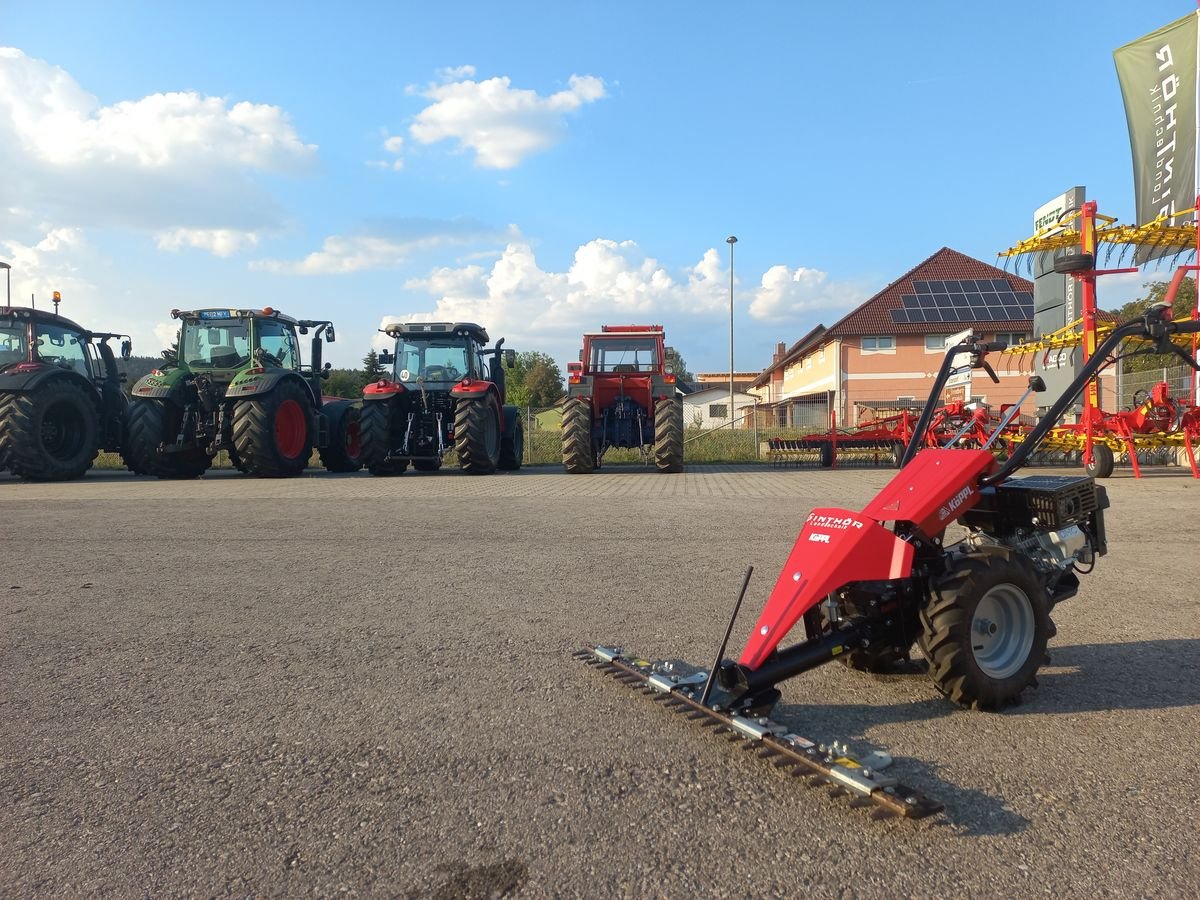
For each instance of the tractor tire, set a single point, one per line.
(427, 465)
(344, 452)
(51, 433)
(374, 434)
(579, 457)
(512, 441)
(151, 423)
(898, 449)
(668, 435)
(825, 455)
(477, 435)
(985, 630)
(1102, 461)
(273, 433)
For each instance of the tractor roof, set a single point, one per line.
(618, 332)
(433, 329)
(213, 315)
(42, 316)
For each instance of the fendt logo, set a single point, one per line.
(819, 538)
(842, 522)
(955, 502)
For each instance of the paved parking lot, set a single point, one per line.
(342, 683)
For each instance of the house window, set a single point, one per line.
(878, 342)
(935, 343)
(1011, 338)
(718, 410)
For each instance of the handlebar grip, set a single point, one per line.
(993, 346)
(991, 372)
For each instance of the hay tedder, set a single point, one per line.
(869, 584)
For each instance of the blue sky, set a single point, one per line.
(542, 168)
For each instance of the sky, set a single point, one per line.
(543, 168)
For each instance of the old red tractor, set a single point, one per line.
(622, 393)
(869, 584)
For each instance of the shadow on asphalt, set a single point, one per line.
(1089, 678)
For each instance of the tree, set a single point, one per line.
(536, 380)
(1156, 292)
(676, 362)
(344, 383)
(372, 370)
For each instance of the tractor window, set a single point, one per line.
(215, 344)
(12, 343)
(277, 339)
(61, 347)
(625, 355)
(431, 359)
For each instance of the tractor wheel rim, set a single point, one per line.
(1002, 631)
(290, 429)
(61, 431)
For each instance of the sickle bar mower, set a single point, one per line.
(868, 585)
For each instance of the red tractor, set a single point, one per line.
(446, 391)
(622, 394)
(869, 584)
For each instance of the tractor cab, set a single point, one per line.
(222, 341)
(32, 339)
(436, 353)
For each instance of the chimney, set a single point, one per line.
(780, 352)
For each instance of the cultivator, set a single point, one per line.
(681, 688)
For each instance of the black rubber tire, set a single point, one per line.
(151, 424)
(427, 465)
(1102, 461)
(344, 452)
(255, 437)
(374, 435)
(512, 440)
(898, 449)
(477, 435)
(948, 630)
(668, 435)
(579, 457)
(825, 455)
(51, 433)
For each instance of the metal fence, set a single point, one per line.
(1134, 387)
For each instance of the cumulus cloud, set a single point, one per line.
(177, 160)
(217, 241)
(786, 292)
(384, 243)
(501, 124)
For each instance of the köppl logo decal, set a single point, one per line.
(955, 502)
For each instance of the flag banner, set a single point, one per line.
(1158, 84)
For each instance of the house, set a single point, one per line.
(709, 407)
(883, 355)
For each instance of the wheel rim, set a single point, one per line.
(1002, 631)
(290, 429)
(353, 440)
(62, 431)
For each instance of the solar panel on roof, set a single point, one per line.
(922, 287)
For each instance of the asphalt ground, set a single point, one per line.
(347, 684)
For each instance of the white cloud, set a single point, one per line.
(786, 293)
(217, 241)
(501, 124)
(162, 162)
(393, 144)
(54, 262)
(456, 73)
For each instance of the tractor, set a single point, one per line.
(235, 382)
(622, 393)
(446, 391)
(61, 400)
(955, 555)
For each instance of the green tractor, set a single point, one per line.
(60, 394)
(236, 383)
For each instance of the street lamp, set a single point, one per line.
(731, 240)
(8, 279)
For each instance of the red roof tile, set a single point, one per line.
(873, 316)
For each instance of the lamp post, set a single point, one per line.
(731, 240)
(8, 280)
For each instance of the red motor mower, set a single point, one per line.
(870, 584)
